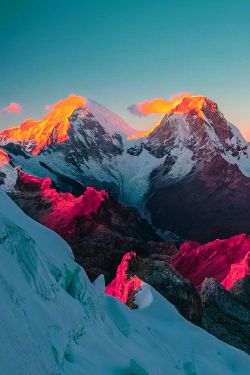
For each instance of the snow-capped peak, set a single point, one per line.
(35, 135)
(198, 125)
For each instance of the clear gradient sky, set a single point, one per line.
(120, 52)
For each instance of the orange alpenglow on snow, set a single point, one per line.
(122, 285)
(160, 105)
(4, 158)
(41, 131)
(183, 103)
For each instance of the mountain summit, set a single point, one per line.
(35, 135)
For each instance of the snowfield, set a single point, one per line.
(54, 321)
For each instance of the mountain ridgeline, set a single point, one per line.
(194, 156)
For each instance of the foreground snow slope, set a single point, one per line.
(54, 321)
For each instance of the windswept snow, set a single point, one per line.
(111, 122)
(54, 321)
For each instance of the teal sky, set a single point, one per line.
(120, 52)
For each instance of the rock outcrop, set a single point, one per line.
(96, 226)
(225, 315)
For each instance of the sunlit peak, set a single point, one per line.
(53, 127)
(183, 103)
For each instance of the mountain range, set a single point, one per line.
(170, 205)
(194, 154)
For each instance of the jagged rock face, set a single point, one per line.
(86, 139)
(97, 227)
(220, 272)
(241, 291)
(154, 270)
(225, 260)
(124, 287)
(224, 316)
(169, 283)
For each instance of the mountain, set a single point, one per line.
(193, 156)
(204, 185)
(53, 320)
(34, 135)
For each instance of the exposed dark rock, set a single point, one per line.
(168, 282)
(241, 291)
(212, 202)
(2, 177)
(224, 316)
(135, 150)
(16, 149)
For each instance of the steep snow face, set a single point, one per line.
(53, 320)
(109, 120)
